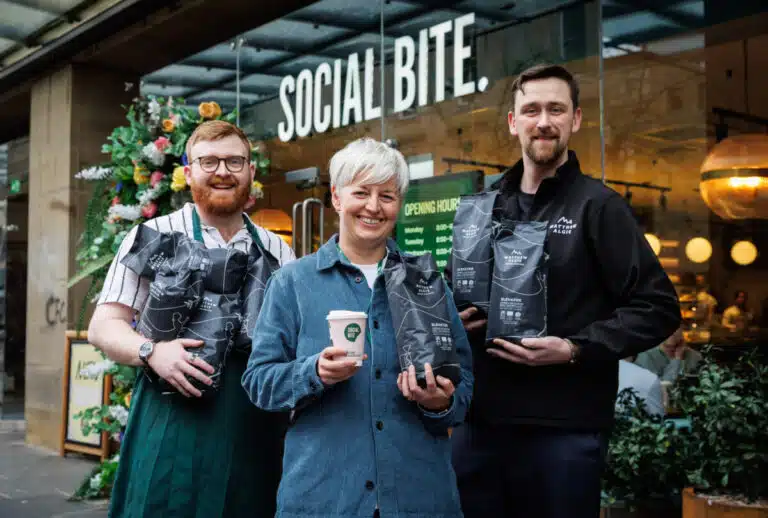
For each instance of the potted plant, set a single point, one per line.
(646, 463)
(728, 442)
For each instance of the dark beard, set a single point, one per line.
(212, 202)
(549, 159)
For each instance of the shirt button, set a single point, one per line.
(369, 485)
(378, 374)
(379, 425)
(375, 324)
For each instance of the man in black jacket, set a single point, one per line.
(535, 440)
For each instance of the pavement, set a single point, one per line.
(37, 483)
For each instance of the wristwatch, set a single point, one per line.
(575, 350)
(145, 351)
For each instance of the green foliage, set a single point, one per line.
(725, 450)
(728, 410)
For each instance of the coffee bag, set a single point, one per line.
(419, 305)
(518, 305)
(472, 255)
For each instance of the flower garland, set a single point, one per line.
(144, 178)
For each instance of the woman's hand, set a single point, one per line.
(435, 398)
(333, 366)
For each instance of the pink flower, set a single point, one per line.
(250, 203)
(161, 143)
(155, 179)
(149, 210)
(115, 200)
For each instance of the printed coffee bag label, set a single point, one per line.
(418, 303)
(172, 300)
(518, 306)
(472, 255)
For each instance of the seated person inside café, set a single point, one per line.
(737, 317)
(670, 359)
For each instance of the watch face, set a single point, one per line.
(145, 350)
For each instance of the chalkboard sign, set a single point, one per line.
(425, 223)
(81, 391)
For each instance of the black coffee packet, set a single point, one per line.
(472, 255)
(217, 323)
(173, 299)
(418, 303)
(518, 306)
(194, 293)
(261, 266)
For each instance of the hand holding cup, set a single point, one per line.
(334, 366)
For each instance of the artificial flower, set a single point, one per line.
(156, 178)
(154, 155)
(115, 200)
(154, 108)
(127, 399)
(119, 413)
(139, 175)
(216, 109)
(162, 143)
(257, 189)
(128, 212)
(148, 195)
(149, 210)
(94, 370)
(168, 125)
(209, 110)
(178, 180)
(94, 173)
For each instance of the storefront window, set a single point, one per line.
(683, 82)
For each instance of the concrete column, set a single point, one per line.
(72, 112)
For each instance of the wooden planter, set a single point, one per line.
(700, 507)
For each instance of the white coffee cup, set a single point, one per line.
(348, 332)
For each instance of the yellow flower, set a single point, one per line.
(216, 109)
(140, 175)
(257, 185)
(207, 110)
(168, 125)
(178, 180)
(127, 400)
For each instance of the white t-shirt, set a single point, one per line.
(370, 271)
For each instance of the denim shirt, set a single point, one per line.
(359, 444)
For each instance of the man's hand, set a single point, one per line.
(466, 319)
(435, 398)
(333, 366)
(172, 362)
(549, 350)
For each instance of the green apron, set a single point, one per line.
(188, 458)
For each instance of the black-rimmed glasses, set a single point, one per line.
(210, 163)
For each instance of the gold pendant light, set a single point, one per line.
(734, 177)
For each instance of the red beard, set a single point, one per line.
(220, 203)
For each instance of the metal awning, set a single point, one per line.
(331, 29)
(27, 25)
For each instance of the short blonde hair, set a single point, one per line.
(216, 130)
(377, 160)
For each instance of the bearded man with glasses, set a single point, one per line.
(183, 456)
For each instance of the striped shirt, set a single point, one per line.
(123, 286)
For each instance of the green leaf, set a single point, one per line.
(89, 270)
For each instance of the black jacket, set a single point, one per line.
(607, 293)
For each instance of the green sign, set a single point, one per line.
(425, 223)
(352, 331)
(15, 186)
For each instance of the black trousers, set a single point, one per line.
(528, 472)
